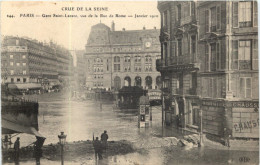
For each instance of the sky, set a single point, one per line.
(73, 33)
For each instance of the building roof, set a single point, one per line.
(132, 36)
(102, 35)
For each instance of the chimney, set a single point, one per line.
(113, 26)
(154, 27)
(144, 28)
(123, 29)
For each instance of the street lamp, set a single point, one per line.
(62, 139)
(201, 129)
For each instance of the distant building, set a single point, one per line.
(79, 65)
(31, 64)
(209, 65)
(122, 58)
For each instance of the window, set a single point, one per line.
(148, 67)
(117, 67)
(241, 57)
(12, 80)
(116, 59)
(193, 47)
(24, 64)
(127, 59)
(213, 57)
(137, 58)
(245, 87)
(207, 20)
(12, 72)
(213, 23)
(24, 80)
(178, 14)
(24, 56)
(206, 57)
(24, 72)
(11, 63)
(179, 47)
(148, 59)
(18, 79)
(11, 56)
(17, 64)
(165, 17)
(245, 14)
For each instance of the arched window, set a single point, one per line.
(138, 81)
(148, 82)
(127, 81)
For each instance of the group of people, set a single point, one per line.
(100, 145)
(37, 152)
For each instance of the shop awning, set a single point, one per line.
(8, 126)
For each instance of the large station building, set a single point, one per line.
(209, 66)
(122, 58)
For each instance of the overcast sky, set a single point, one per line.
(72, 32)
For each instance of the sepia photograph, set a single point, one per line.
(129, 82)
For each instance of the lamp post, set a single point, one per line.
(62, 139)
(201, 129)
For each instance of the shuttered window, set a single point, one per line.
(218, 18)
(218, 60)
(213, 20)
(244, 55)
(245, 87)
(207, 20)
(235, 14)
(255, 13)
(234, 63)
(255, 55)
(213, 57)
(206, 57)
(245, 14)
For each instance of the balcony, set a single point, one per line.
(184, 59)
(160, 64)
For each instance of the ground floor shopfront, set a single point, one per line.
(240, 118)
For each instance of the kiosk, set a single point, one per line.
(144, 112)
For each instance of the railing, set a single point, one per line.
(159, 64)
(185, 59)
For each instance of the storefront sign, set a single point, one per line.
(245, 104)
(213, 103)
(246, 125)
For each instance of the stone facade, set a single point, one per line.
(122, 58)
(209, 65)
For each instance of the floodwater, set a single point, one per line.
(79, 120)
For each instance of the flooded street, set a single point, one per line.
(81, 119)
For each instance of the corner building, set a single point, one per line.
(209, 66)
(30, 64)
(122, 58)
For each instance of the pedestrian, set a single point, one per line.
(98, 149)
(37, 149)
(226, 137)
(17, 150)
(104, 138)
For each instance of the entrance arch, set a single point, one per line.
(138, 81)
(148, 82)
(127, 81)
(117, 83)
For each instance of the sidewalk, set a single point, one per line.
(238, 145)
